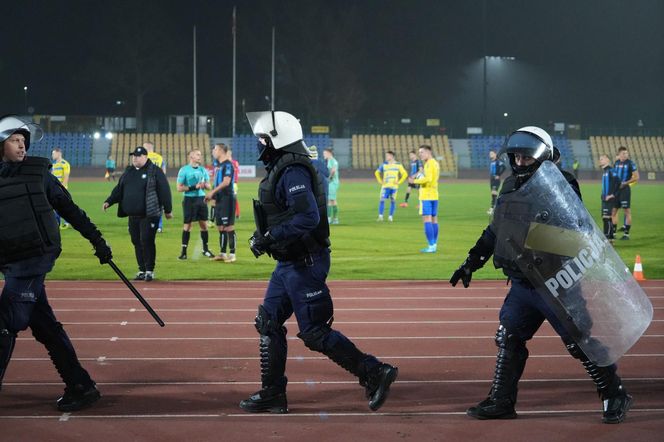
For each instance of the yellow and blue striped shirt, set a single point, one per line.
(61, 170)
(387, 175)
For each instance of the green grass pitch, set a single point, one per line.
(361, 247)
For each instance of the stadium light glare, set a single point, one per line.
(485, 82)
(96, 135)
(108, 136)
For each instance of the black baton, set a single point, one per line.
(135, 292)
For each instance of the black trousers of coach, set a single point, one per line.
(143, 232)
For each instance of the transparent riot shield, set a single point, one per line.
(545, 228)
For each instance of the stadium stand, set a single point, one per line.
(481, 144)
(244, 146)
(647, 152)
(173, 147)
(76, 147)
(369, 150)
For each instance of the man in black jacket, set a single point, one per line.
(142, 193)
(30, 244)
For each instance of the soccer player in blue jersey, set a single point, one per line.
(193, 180)
(610, 188)
(627, 172)
(389, 175)
(415, 168)
(496, 169)
(224, 198)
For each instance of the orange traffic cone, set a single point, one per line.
(638, 269)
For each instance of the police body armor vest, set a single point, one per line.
(503, 256)
(269, 212)
(28, 227)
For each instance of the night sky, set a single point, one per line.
(594, 62)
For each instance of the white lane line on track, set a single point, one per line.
(194, 287)
(323, 358)
(494, 321)
(312, 382)
(65, 417)
(253, 310)
(295, 338)
(334, 297)
(319, 415)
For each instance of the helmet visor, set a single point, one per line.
(261, 123)
(526, 144)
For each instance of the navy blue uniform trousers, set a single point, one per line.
(524, 311)
(298, 287)
(23, 304)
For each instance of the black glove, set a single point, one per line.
(102, 250)
(464, 273)
(259, 243)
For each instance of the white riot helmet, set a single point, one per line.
(528, 141)
(10, 125)
(280, 130)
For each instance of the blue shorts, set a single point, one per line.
(386, 193)
(429, 208)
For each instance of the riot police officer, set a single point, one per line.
(526, 307)
(30, 239)
(292, 228)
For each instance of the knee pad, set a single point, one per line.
(266, 325)
(576, 351)
(316, 338)
(505, 340)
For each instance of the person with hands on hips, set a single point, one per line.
(292, 228)
(30, 246)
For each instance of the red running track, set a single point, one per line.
(184, 381)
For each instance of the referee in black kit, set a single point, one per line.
(142, 193)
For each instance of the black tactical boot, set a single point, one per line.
(267, 400)
(78, 397)
(510, 362)
(272, 396)
(616, 407)
(494, 408)
(615, 400)
(378, 384)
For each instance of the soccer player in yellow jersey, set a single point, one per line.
(389, 175)
(158, 161)
(60, 170)
(153, 156)
(429, 197)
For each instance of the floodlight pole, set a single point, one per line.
(234, 73)
(195, 92)
(272, 96)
